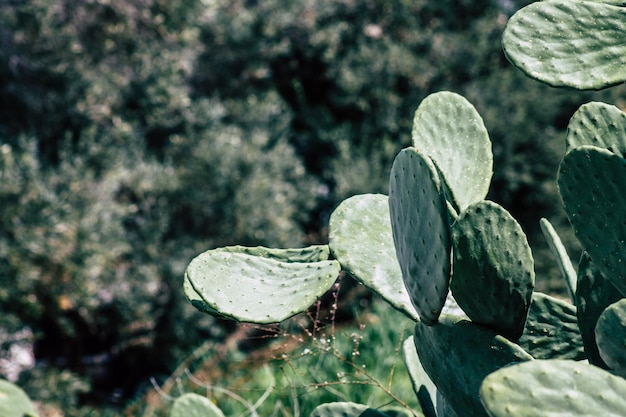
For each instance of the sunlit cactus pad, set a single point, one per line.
(422, 384)
(14, 402)
(194, 405)
(421, 231)
(361, 240)
(448, 129)
(564, 43)
(245, 285)
(554, 388)
(560, 255)
(348, 409)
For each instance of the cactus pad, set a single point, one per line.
(312, 253)
(553, 388)
(597, 124)
(245, 285)
(14, 402)
(458, 354)
(579, 44)
(593, 295)
(562, 258)
(611, 336)
(194, 405)
(422, 384)
(361, 240)
(346, 409)
(494, 273)
(421, 231)
(448, 129)
(591, 182)
(551, 330)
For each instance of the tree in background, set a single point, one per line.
(115, 177)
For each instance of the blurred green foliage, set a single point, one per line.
(136, 134)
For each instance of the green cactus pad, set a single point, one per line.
(443, 407)
(591, 182)
(346, 409)
(312, 253)
(494, 273)
(14, 402)
(593, 295)
(579, 44)
(551, 330)
(194, 405)
(254, 288)
(422, 385)
(458, 354)
(611, 336)
(361, 240)
(553, 388)
(597, 124)
(560, 254)
(197, 301)
(448, 129)
(421, 231)
(397, 411)
(309, 254)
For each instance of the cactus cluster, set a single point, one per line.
(435, 241)
(485, 343)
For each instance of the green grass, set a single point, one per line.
(300, 369)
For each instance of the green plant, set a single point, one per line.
(400, 247)
(436, 209)
(580, 44)
(132, 138)
(14, 402)
(194, 405)
(303, 365)
(152, 105)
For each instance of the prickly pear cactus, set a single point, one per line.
(259, 285)
(553, 388)
(494, 272)
(194, 405)
(422, 384)
(421, 231)
(348, 409)
(594, 294)
(562, 258)
(400, 246)
(551, 330)
(580, 44)
(591, 182)
(360, 238)
(448, 129)
(597, 124)
(611, 336)
(14, 402)
(457, 355)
